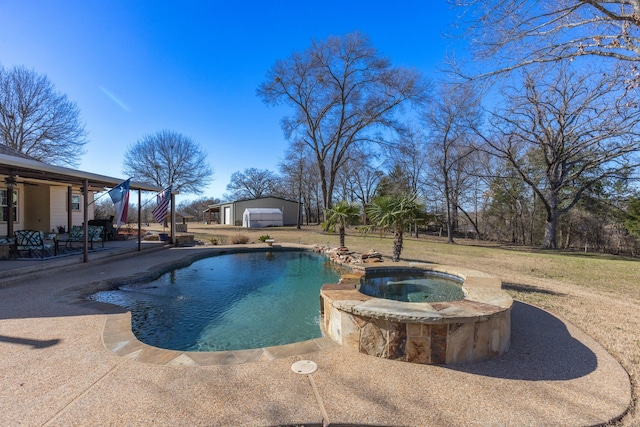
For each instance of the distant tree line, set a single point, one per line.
(552, 161)
(536, 151)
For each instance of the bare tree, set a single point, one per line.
(341, 91)
(360, 177)
(251, 184)
(104, 208)
(563, 133)
(509, 34)
(299, 179)
(169, 158)
(409, 156)
(449, 120)
(197, 207)
(38, 121)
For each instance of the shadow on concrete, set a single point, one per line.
(542, 349)
(29, 342)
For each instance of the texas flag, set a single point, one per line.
(120, 197)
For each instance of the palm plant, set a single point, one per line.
(394, 213)
(341, 216)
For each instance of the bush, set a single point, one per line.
(239, 239)
(264, 237)
(217, 240)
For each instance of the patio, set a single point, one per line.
(58, 372)
(15, 269)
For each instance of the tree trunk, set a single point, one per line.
(397, 245)
(567, 242)
(532, 222)
(323, 182)
(449, 216)
(550, 231)
(342, 233)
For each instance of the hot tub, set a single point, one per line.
(474, 328)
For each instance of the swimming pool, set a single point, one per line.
(229, 302)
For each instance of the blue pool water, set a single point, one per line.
(229, 302)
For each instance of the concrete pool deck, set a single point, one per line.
(57, 370)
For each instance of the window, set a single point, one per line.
(4, 205)
(75, 202)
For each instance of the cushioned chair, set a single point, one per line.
(77, 235)
(31, 240)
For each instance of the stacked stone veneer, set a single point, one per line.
(473, 329)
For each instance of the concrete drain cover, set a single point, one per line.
(304, 367)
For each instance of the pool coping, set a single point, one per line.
(118, 337)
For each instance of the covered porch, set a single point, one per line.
(51, 199)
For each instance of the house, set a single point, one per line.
(46, 196)
(231, 213)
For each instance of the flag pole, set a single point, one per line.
(106, 192)
(150, 200)
(99, 197)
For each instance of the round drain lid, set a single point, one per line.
(304, 367)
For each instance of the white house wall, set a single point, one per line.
(59, 205)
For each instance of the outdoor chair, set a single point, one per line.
(30, 241)
(109, 232)
(77, 235)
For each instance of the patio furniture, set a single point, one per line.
(30, 241)
(109, 232)
(51, 240)
(7, 247)
(77, 235)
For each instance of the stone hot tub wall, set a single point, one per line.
(473, 329)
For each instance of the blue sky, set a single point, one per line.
(134, 68)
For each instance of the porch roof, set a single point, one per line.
(30, 170)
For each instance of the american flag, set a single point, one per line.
(160, 211)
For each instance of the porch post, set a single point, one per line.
(173, 219)
(11, 182)
(139, 218)
(69, 208)
(85, 225)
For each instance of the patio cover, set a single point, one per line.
(17, 166)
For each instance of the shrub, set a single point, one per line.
(239, 239)
(218, 239)
(264, 237)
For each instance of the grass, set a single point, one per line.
(598, 293)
